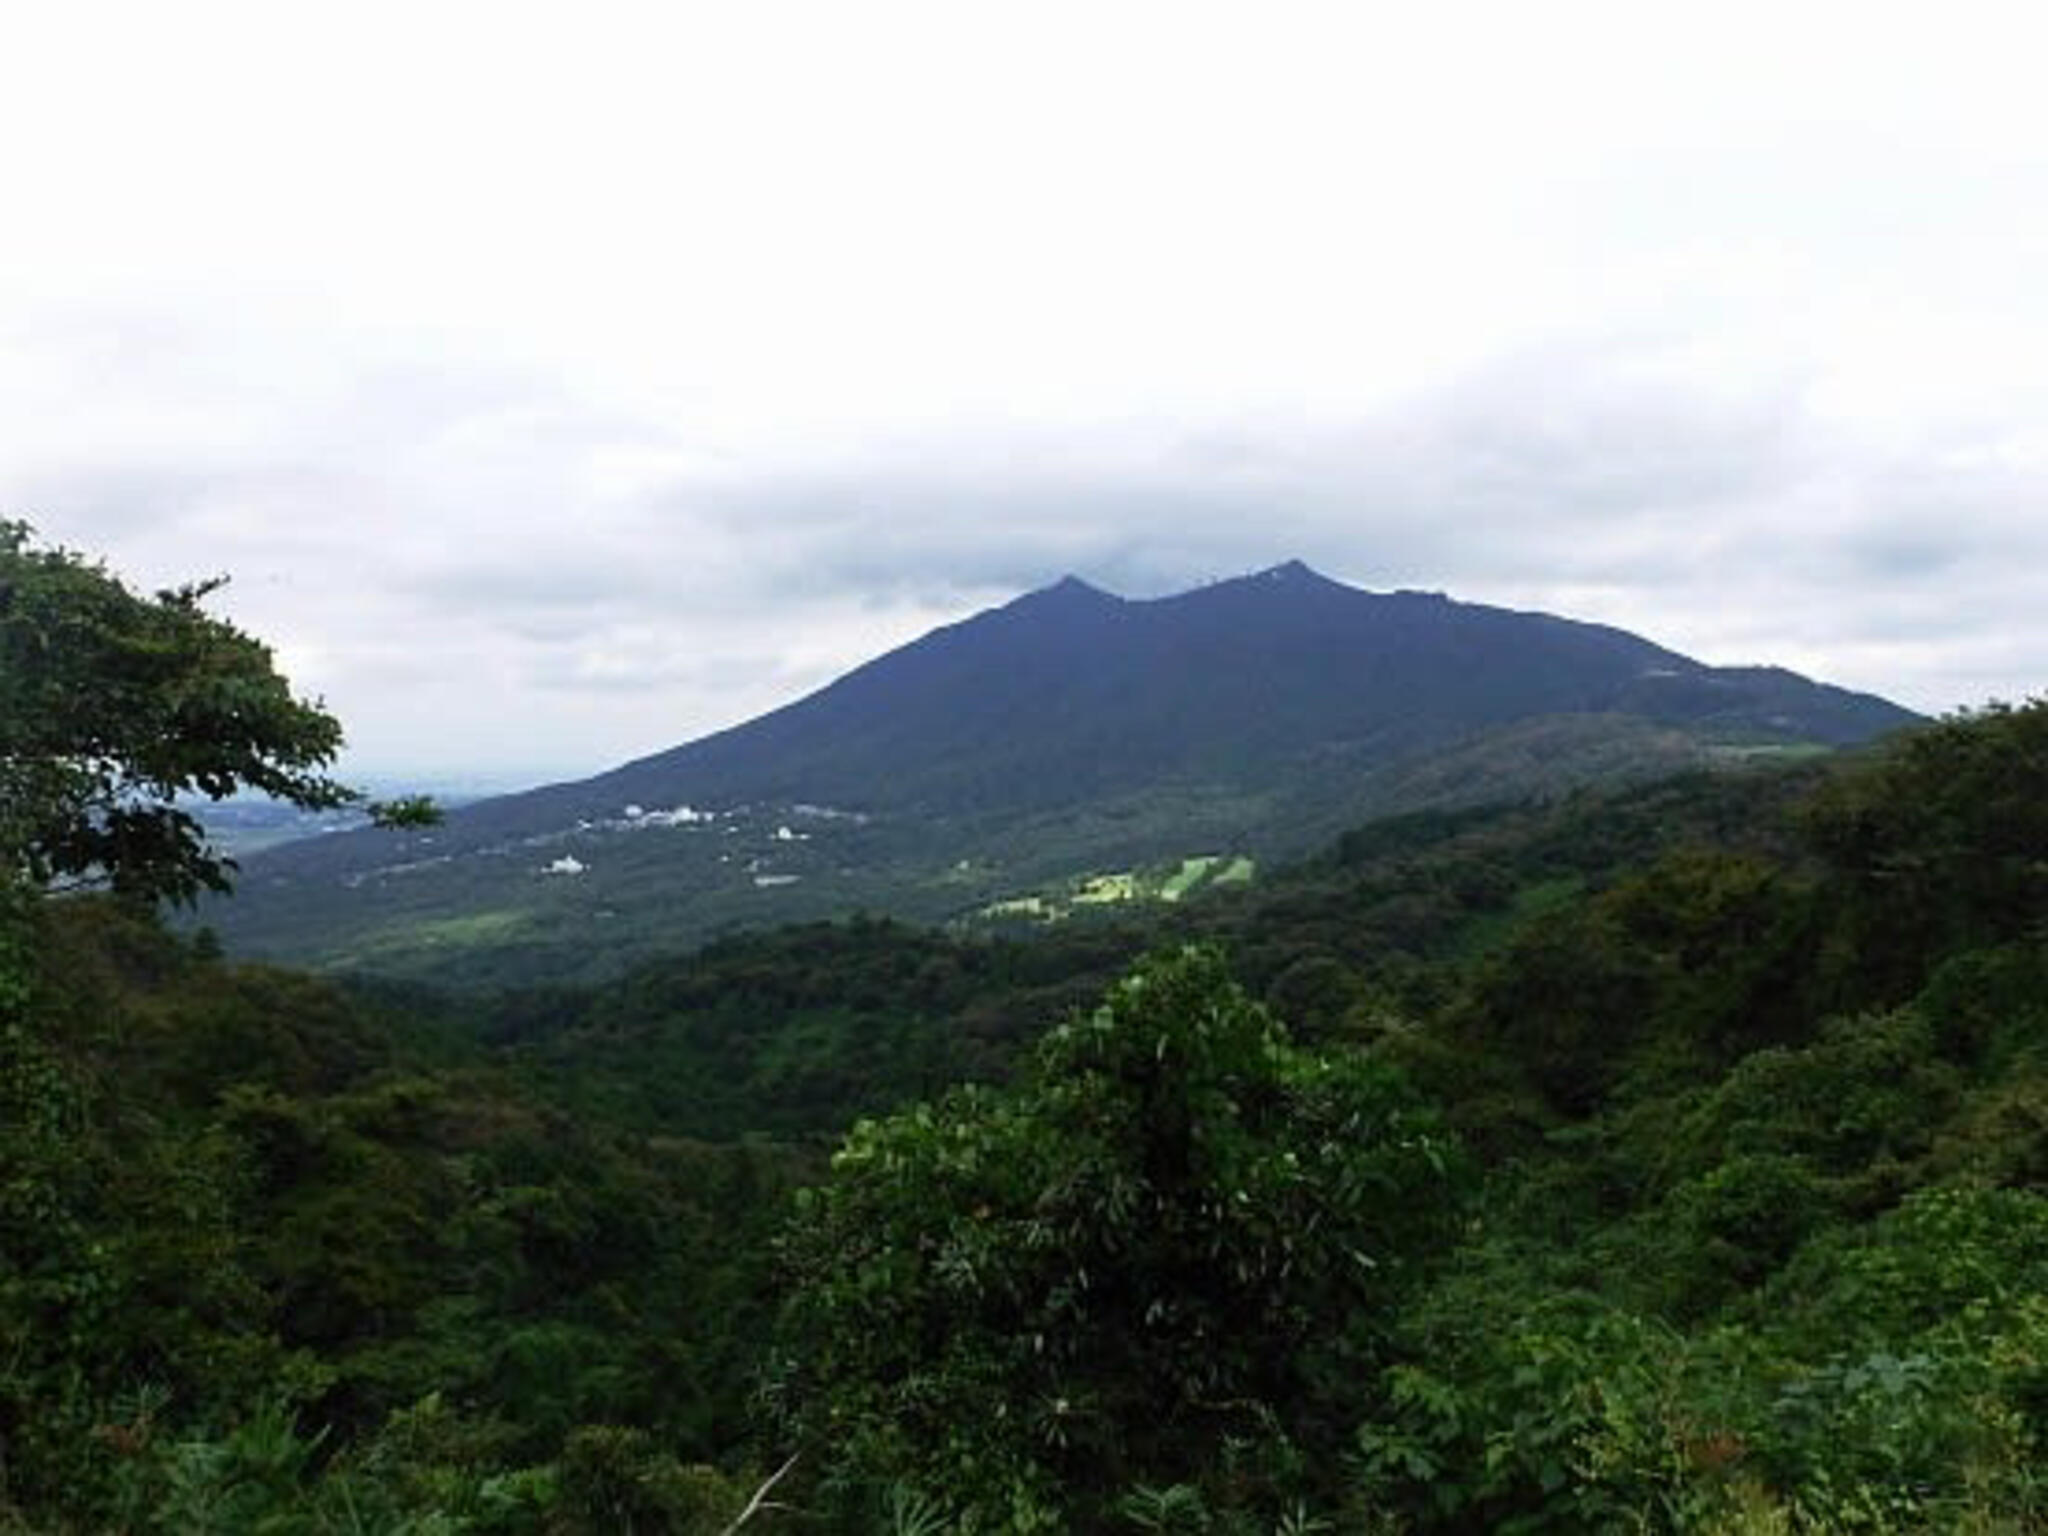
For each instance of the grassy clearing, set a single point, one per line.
(1192, 873)
(1771, 752)
(474, 930)
(1105, 890)
(1161, 883)
(1020, 906)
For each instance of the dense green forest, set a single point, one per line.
(1664, 1159)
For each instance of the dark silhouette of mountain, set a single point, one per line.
(1069, 693)
(1071, 725)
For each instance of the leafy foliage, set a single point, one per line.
(1170, 1254)
(226, 1188)
(113, 705)
(1748, 1231)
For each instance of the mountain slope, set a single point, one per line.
(1064, 731)
(1069, 693)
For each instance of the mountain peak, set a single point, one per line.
(1290, 578)
(1073, 586)
(1073, 589)
(1068, 592)
(1071, 730)
(1293, 575)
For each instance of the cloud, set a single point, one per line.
(1582, 464)
(547, 437)
(473, 562)
(1600, 475)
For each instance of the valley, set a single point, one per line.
(1687, 1119)
(1610, 1140)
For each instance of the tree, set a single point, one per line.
(1167, 1258)
(114, 705)
(1936, 844)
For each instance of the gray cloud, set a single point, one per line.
(493, 549)
(550, 440)
(1598, 471)
(1567, 465)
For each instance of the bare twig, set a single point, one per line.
(759, 1501)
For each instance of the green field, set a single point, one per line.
(1168, 883)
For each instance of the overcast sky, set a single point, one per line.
(558, 383)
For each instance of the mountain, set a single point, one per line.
(1066, 734)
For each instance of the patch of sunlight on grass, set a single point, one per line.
(1099, 890)
(445, 933)
(1191, 874)
(1240, 872)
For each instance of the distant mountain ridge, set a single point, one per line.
(1068, 726)
(1069, 691)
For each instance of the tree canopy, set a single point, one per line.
(1749, 1231)
(1166, 1259)
(114, 705)
(1675, 1161)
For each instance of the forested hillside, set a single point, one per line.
(1662, 1159)
(1001, 762)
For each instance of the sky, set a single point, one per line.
(557, 384)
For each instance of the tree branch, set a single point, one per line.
(759, 1501)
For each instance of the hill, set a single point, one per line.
(1066, 734)
(1734, 1087)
